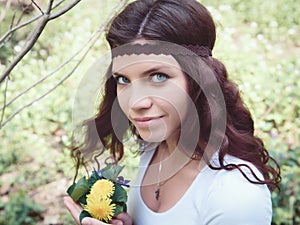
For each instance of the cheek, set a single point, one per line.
(179, 103)
(123, 103)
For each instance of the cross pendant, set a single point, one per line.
(157, 194)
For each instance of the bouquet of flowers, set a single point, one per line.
(102, 195)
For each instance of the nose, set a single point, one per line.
(140, 98)
(142, 103)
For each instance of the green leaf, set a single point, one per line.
(120, 194)
(71, 189)
(112, 172)
(118, 210)
(83, 214)
(82, 199)
(81, 188)
(93, 178)
(124, 207)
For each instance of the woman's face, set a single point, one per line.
(152, 91)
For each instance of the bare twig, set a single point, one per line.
(64, 10)
(93, 36)
(49, 7)
(12, 30)
(42, 96)
(57, 4)
(13, 19)
(20, 18)
(51, 89)
(37, 6)
(27, 47)
(12, 24)
(35, 35)
(4, 101)
(93, 40)
(51, 73)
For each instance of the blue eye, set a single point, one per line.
(121, 80)
(159, 77)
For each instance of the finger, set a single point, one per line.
(126, 219)
(116, 222)
(69, 201)
(73, 207)
(92, 221)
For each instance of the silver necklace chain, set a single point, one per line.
(157, 191)
(159, 184)
(195, 156)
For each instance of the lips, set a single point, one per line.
(146, 121)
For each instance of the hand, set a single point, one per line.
(75, 210)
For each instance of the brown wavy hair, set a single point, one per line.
(184, 23)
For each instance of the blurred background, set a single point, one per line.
(257, 40)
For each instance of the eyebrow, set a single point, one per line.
(151, 70)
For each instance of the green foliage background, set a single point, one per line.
(258, 41)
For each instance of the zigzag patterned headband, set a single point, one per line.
(162, 48)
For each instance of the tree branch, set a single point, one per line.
(37, 6)
(12, 30)
(51, 89)
(51, 73)
(35, 35)
(96, 35)
(4, 102)
(64, 10)
(57, 4)
(27, 47)
(48, 11)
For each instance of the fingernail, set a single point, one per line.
(119, 223)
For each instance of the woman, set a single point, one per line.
(200, 161)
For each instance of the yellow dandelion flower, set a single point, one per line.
(103, 188)
(100, 208)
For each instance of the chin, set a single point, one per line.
(150, 137)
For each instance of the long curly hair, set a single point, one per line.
(184, 23)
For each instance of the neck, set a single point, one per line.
(171, 144)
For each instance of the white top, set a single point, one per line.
(216, 197)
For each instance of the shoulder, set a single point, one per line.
(232, 199)
(235, 175)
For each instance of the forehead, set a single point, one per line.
(120, 63)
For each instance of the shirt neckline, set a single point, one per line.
(183, 197)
